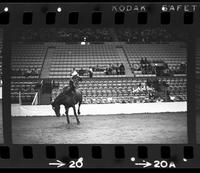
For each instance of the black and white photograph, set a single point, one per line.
(99, 85)
(1, 119)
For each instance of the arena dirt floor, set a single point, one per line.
(1, 124)
(103, 129)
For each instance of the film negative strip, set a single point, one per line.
(100, 85)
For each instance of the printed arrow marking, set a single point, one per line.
(184, 159)
(146, 164)
(58, 164)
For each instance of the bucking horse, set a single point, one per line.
(69, 97)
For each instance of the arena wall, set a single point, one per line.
(0, 92)
(101, 109)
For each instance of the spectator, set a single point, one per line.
(112, 66)
(28, 72)
(110, 69)
(166, 65)
(149, 69)
(106, 71)
(142, 61)
(18, 72)
(165, 86)
(183, 68)
(117, 69)
(149, 82)
(146, 61)
(166, 72)
(122, 69)
(164, 83)
(90, 72)
(176, 70)
(156, 85)
(33, 72)
(25, 72)
(81, 72)
(38, 71)
(142, 87)
(53, 84)
(136, 67)
(97, 68)
(113, 71)
(142, 65)
(146, 66)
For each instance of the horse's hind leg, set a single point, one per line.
(74, 108)
(67, 115)
(79, 104)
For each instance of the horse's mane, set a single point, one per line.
(66, 90)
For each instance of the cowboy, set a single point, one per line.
(74, 74)
(73, 82)
(72, 86)
(70, 89)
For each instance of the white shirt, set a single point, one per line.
(74, 73)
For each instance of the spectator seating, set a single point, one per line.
(173, 53)
(25, 56)
(120, 90)
(69, 56)
(65, 35)
(135, 35)
(102, 90)
(26, 89)
(149, 35)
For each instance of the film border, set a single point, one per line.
(6, 90)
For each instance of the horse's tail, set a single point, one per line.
(53, 103)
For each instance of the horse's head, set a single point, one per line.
(56, 108)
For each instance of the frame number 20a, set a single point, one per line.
(163, 164)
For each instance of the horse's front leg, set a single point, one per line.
(67, 115)
(74, 108)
